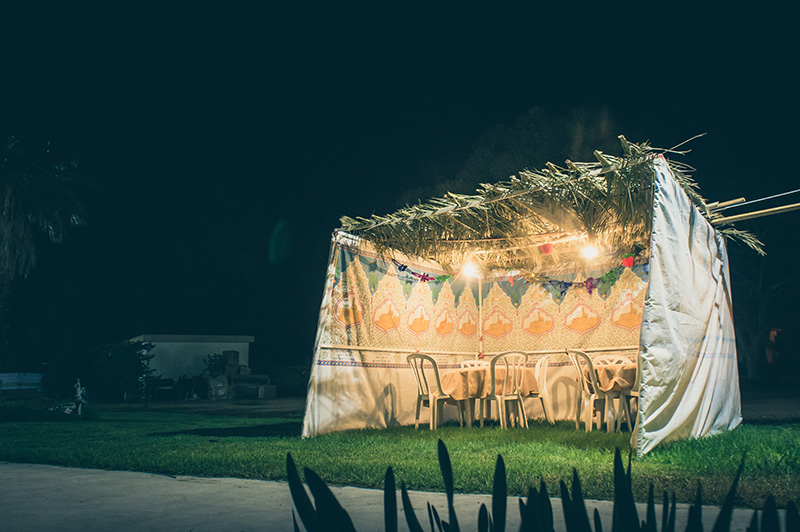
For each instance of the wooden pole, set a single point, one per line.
(756, 214)
(720, 205)
(480, 316)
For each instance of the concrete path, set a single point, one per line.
(42, 498)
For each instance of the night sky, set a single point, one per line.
(222, 145)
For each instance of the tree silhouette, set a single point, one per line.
(531, 140)
(39, 198)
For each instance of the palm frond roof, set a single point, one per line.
(510, 225)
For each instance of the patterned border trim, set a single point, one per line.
(389, 365)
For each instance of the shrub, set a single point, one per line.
(216, 364)
(536, 513)
(122, 372)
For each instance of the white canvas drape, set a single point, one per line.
(689, 375)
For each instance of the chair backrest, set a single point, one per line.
(417, 363)
(514, 363)
(542, 368)
(607, 360)
(585, 369)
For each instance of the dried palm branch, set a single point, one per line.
(607, 203)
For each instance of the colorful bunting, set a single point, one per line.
(424, 277)
(401, 267)
(558, 289)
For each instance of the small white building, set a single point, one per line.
(183, 355)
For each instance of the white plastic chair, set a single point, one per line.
(542, 368)
(509, 388)
(591, 401)
(430, 395)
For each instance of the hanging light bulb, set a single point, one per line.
(590, 252)
(470, 270)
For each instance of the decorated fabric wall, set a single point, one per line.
(567, 311)
(403, 305)
(396, 306)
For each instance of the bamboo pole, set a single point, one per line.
(480, 317)
(721, 204)
(756, 214)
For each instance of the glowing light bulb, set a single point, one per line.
(470, 270)
(590, 252)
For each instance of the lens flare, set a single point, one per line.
(470, 270)
(590, 252)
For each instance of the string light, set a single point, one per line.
(590, 252)
(590, 284)
(470, 270)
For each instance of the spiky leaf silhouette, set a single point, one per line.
(753, 522)
(528, 513)
(408, 510)
(598, 525)
(434, 519)
(483, 519)
(625, 516)
(723, 522)
(694, 522)
(792, 517)
(499, 496)
(566, 506)
(447, 476)
(650, 519)
(668, 514)
(389, 502)
(329, 511)
(575, 516)
(308, 516)
(769, 516)
(545, 509)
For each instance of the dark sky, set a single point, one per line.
(224, 144)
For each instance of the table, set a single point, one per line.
(614, 379)
(467, 384)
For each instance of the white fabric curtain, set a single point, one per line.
(689, 375)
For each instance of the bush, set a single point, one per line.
(216, 364)
(536, 513)
(122, 372)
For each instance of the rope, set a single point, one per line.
(758, 200)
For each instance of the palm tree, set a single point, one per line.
(38, 198)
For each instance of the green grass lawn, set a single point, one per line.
(226, 446)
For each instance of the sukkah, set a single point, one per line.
(655, 289)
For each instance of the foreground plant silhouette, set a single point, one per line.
(536, 513)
